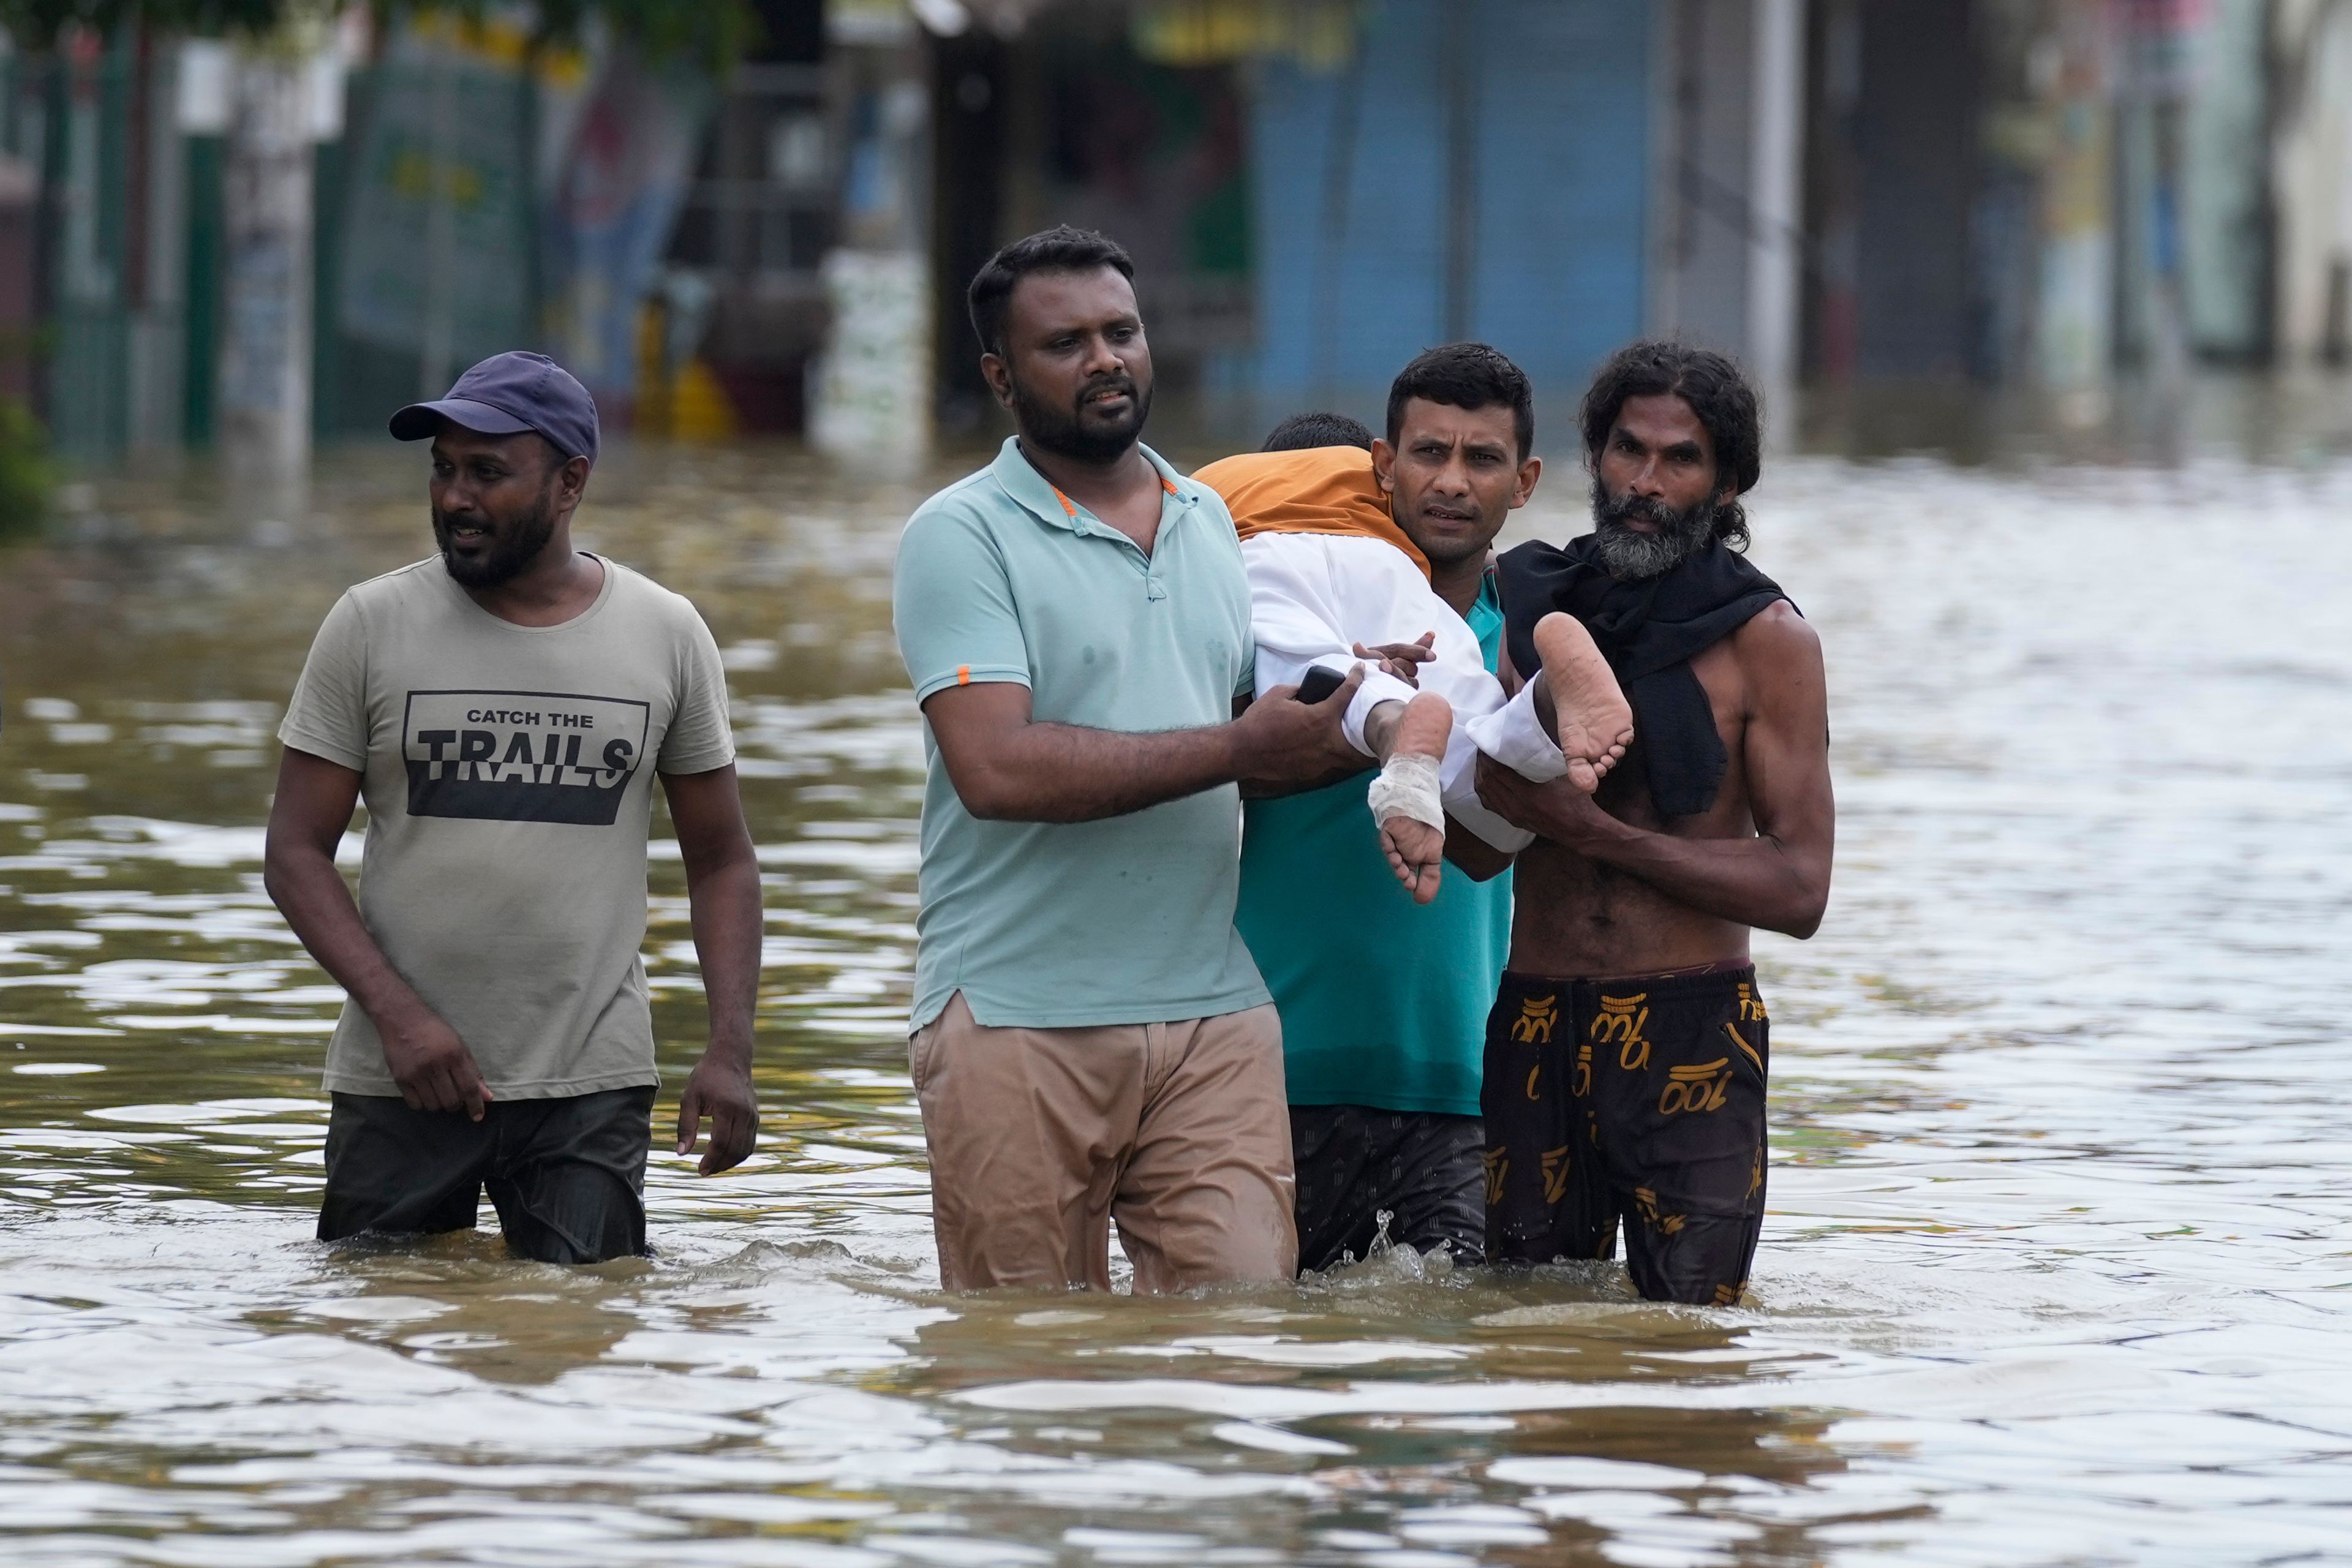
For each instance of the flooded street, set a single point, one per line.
(2059, 1265)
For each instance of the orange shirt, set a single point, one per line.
(1323, 489)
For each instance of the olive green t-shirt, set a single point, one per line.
(507, 775)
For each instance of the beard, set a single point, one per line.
(514, 545)
(1066, 433)
(1630, 555)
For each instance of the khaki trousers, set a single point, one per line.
(1039, 1138)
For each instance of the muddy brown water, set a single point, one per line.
(2058, 1267)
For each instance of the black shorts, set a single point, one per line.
(1640, 1099)
(1423, 1169)
(567, 1176)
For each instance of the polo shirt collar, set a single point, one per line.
(1022, 482)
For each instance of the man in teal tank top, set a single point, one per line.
(1384, 1001)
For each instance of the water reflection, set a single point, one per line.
(2056, 1269)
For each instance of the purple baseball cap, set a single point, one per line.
(505, 396)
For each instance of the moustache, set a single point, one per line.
(1631, 508)
(1115, 381)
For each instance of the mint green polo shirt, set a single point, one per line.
(1383, 1000)
(1055, 925)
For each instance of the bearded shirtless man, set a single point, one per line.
(1627, 1053)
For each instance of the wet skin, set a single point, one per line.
(1609, 889)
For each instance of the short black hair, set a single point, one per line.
(1058, 249)
(1466, 375)
(1302, 431)
(1716, 393)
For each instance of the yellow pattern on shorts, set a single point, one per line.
(1695, 1088)
(1555, 1175)
(1618, 1020)
(1538, 1016)
(1646, 1202)
(1745, 1049)
(1498, 1161)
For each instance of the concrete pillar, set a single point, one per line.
(1457, 70)
(158, 322)
(285, 95)
(870, 391)
(2074, 327)
(2311, 174)
(1776, 186)
(267, 197)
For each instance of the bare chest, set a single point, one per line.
(1578, 916)
(1625, 793)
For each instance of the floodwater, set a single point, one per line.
(2058, 1269)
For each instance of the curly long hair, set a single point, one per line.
(1715, 390)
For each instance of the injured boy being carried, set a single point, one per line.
(1332, 575)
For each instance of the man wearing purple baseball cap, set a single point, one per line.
(496, 706)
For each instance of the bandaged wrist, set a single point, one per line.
(1407, 786)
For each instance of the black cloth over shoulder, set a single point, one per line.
(1648, 632)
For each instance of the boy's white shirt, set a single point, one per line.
(1314, 596)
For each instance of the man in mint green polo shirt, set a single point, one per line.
(1091, 1039)
(1383, 1000)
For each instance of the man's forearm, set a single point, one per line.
(1064, 773)
(317, 903)
(725, 904)
(1753, 881)
(1283, 791)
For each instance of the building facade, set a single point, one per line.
(2065, 195)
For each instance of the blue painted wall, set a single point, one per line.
(1562, 144)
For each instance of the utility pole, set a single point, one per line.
(438, 346)
(264, 368)
(1776, 220)
(285, 93)
(1458, 304)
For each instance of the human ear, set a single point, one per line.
(1529, 472)
(1385, 465)
(998, 376)
(572, 480)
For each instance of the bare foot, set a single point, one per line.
(1424, 726)
(1593, 719)
(1416, 853)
